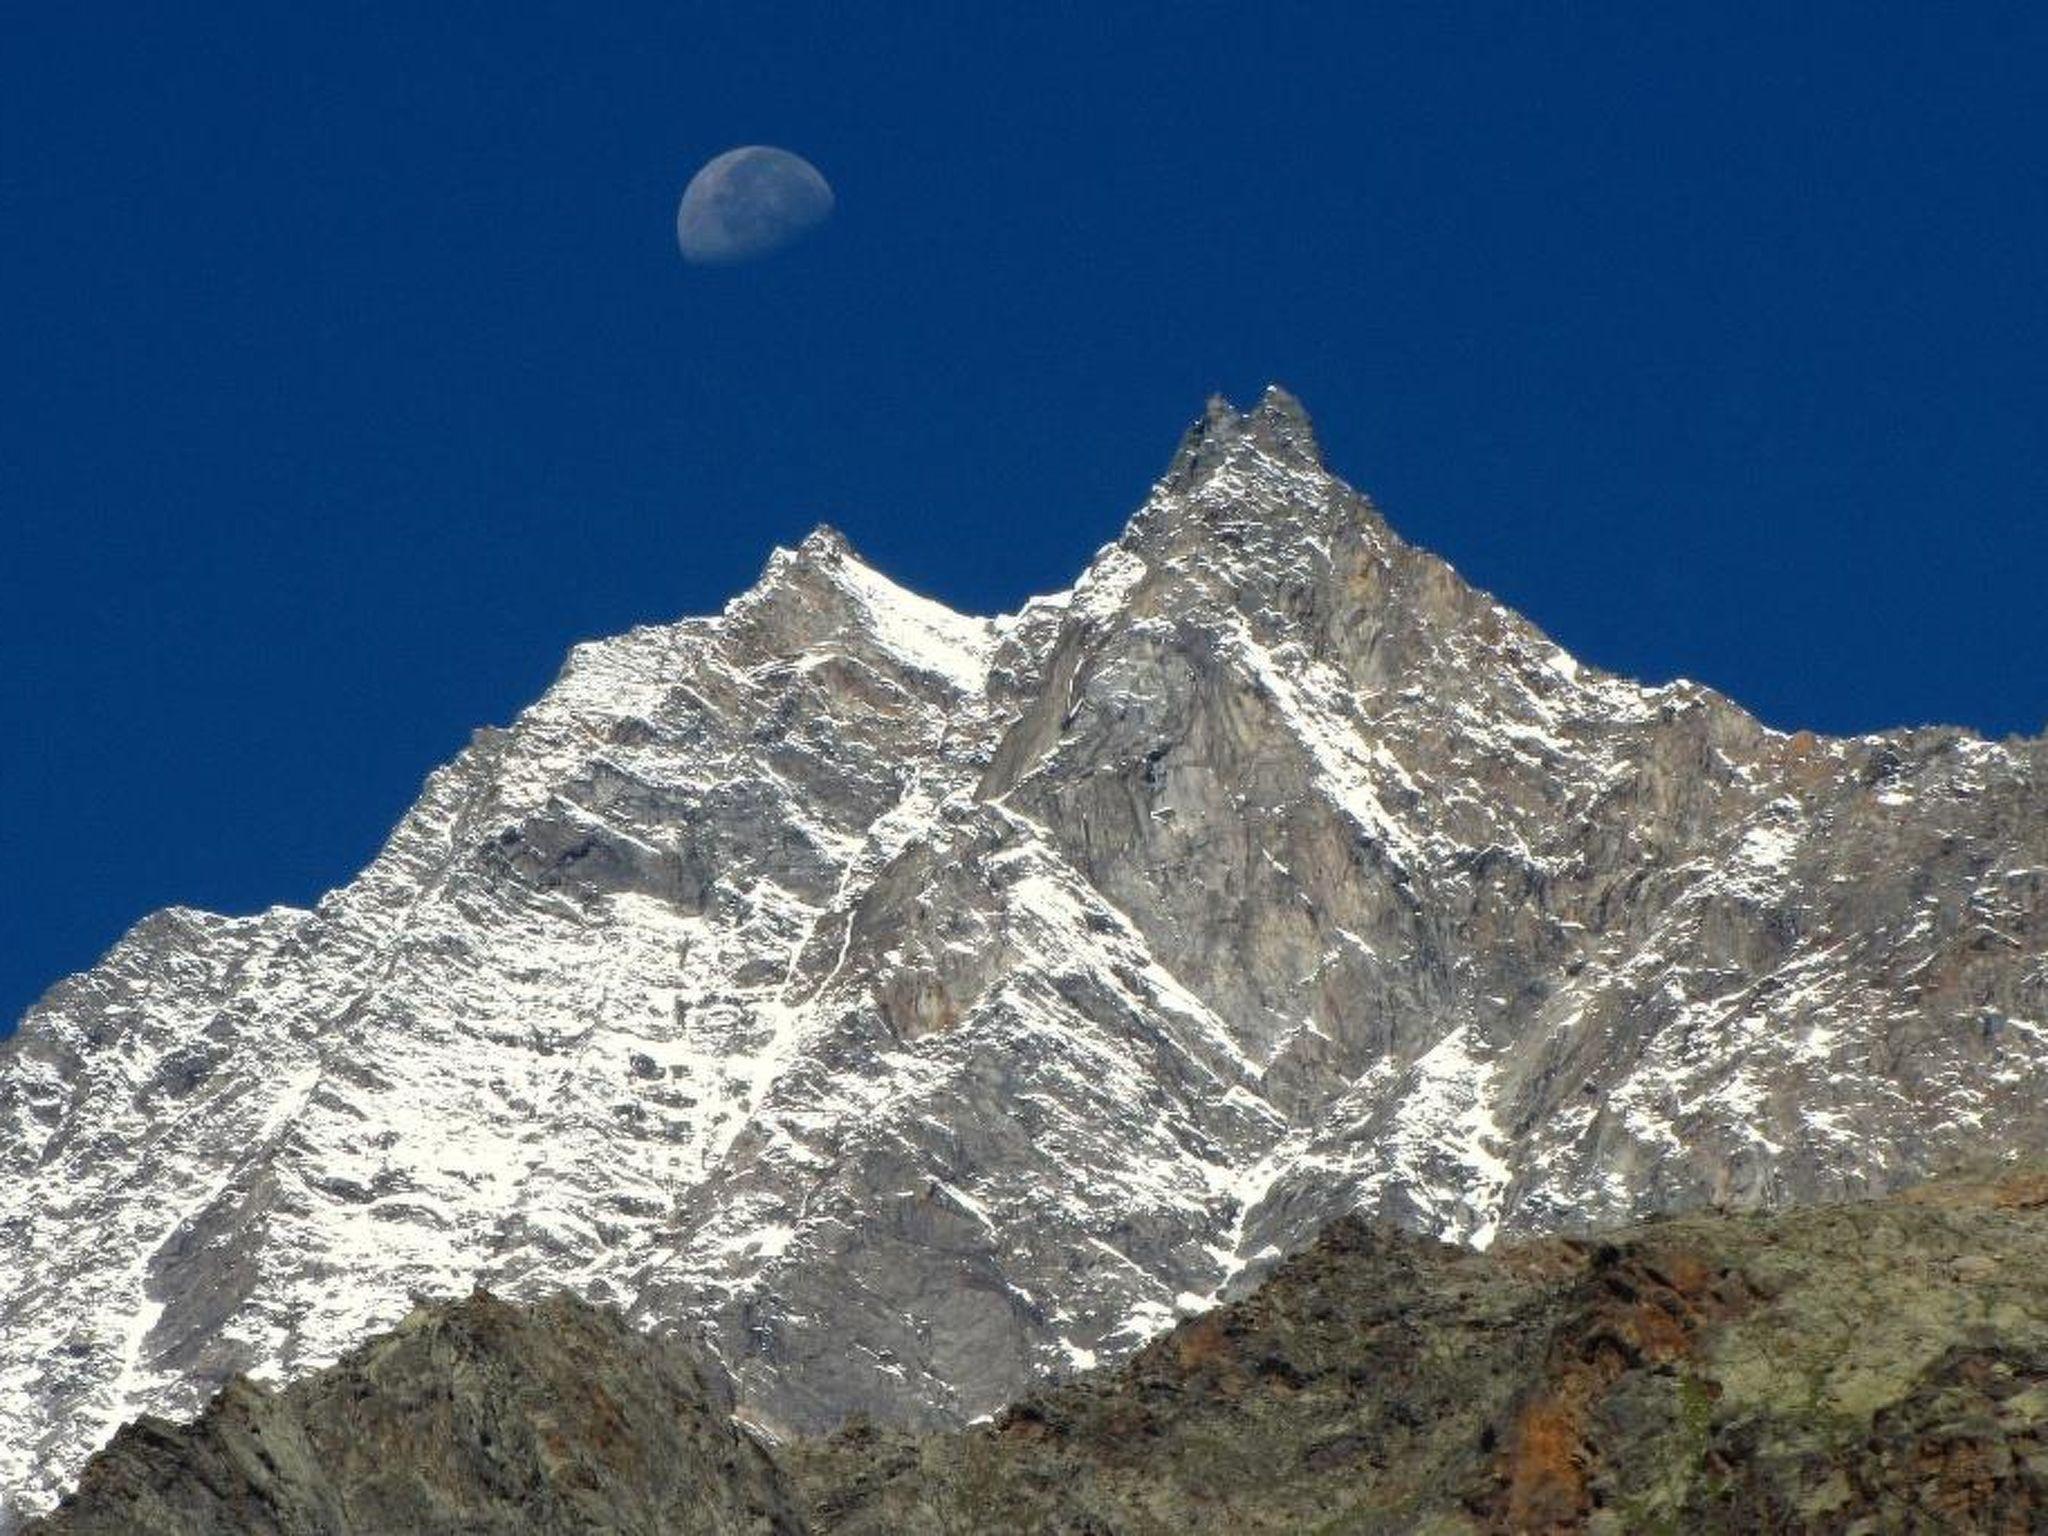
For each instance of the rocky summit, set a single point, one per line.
(913, 1007)
(1867, 1367)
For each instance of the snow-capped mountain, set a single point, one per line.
(920, 1004)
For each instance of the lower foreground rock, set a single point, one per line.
(1855, 1368)
(476, 1416)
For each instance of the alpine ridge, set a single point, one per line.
(911, 1006)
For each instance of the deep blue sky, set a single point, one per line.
(350, 372)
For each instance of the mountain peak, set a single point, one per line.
(1281, 412)
(780, 970)
(823, 593)
(825, 543)
(817, 557)
(1278, 427)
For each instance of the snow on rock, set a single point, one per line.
(916, 1004)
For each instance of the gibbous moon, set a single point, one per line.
(748, 202)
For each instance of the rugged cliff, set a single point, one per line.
(929, 1003)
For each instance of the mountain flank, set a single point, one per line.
(1871, 1366)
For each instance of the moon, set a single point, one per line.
(748, 202)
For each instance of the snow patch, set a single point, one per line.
(928, 635)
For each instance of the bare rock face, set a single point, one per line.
(476, 1418)
(932, 1003)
